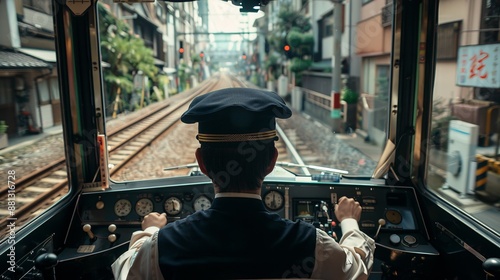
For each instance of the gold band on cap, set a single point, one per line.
(236, 137)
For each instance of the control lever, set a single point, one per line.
(492, 267)
(321, 213)
(381, 223)
(46, 263)
(87, 228)
(324, 207)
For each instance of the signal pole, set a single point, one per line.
(336, 58)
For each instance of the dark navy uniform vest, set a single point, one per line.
(236, 238)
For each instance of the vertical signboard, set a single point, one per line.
(478, 66)
(336, 112)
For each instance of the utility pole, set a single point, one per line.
(336, 114)
(176, 50)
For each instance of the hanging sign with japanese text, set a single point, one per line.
(479, 66)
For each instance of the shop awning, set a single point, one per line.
(45, 55)
(169, 70)
(159, 62)
(17, 60)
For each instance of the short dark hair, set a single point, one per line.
(234, 168)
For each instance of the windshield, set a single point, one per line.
(156, 57)
(163, 54)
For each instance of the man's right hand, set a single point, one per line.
(154, 219)
(347, 208)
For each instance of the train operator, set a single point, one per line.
(237, 237)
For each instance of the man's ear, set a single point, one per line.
(272, 162)
(201, 164)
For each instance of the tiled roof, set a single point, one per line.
(14, 60)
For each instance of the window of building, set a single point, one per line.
(328, 26)
(447, 40)
(41, 6)
(44, 92)
(54, 88)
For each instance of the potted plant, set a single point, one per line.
(350, 97)
(3, 135)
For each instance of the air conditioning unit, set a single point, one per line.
(387, 15)
(462, 143)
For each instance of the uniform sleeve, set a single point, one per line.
(141, 259)
(351, 258)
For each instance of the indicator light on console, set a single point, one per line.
(395, 239)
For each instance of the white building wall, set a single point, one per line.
(469, 12)
(8, 25)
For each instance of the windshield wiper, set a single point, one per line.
(314, 167)
(189, 165)
(195, 170)
(327, 174)
(279, 163)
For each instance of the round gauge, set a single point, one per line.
(143, 207)
(273, 200)
(201, 203)
(173, 206)
(393, 216)
(122, 207)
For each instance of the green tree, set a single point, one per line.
(293, 29)
(126, 55)
(184, 74)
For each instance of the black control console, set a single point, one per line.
(104, 222)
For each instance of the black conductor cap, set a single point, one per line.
(236, 115)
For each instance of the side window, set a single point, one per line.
(464, 167)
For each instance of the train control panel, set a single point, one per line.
(104, 222)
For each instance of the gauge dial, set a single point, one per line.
(201, 203)
(143, 207)
(393, 216)
(273, 200)
(173, 206)
(122, 207)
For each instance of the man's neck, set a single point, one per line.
(256, 191)
(238, 195)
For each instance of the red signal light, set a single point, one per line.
(181, 50)
(286, 48)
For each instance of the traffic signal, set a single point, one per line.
(288, 51)
(181, 50)
(202, 55)
(244, 56)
